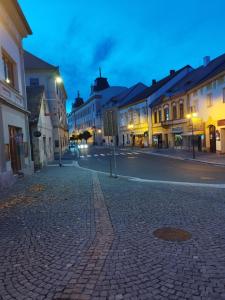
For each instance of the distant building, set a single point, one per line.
(114, 105)
(71, 116)
(135, 122)
(201, 91)
(88, 116)
(41, 73)
(41, 128)
(14, 129)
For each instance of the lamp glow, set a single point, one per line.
(58, 79)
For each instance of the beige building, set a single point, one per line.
(41, 73)
(41, 128)
(14, 133)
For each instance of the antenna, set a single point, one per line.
(100, 72)
(78, 94)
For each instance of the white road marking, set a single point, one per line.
(96, 155)
(181, 183)
(88, 155)
(129, 153)
(102, 154)
(81, 156)
(122, 153)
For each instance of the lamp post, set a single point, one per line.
(191, 117)
(58, 80)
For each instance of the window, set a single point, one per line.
(166, 113)
(160, 115)
(209, 100)
(34, 82)
(9, 68)
(224, 95)
(174, 111)
(155, 116)
(181, 110)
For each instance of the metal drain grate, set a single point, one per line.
(172, 234)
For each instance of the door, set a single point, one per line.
(212, 138)
(15, 136)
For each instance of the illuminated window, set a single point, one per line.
(209, 100)
(9, 67)
(166, 113)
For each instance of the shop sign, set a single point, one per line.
(177, 130)
(221, 122)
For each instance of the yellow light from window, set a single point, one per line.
(188, 116)
(194, 115)
(130, 126)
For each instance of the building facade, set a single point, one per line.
(41, 128)
(41, 73)
(14, 130)
(89, 116)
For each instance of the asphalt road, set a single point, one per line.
(147, 166)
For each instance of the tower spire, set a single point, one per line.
(100, 72)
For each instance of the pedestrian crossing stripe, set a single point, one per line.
(108, 154)
(102, 154)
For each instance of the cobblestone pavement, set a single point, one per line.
(67, 233)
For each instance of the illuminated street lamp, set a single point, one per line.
(99, 131)
(191, 117)
(58, 79)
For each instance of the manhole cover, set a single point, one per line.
(172, 234)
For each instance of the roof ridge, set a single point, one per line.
(40, 59)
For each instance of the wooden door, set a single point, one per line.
(14, 148)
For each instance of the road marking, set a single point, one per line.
(88, 155)
(102, 154)
(129, 153)
(180, 183)
(96, 155)
(81, 156)
(122, 153)
(136, 153)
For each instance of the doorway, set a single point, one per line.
(212, 138)
(15, 141)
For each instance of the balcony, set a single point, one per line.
(166, 124)
(11, 95)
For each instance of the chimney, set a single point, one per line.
(206, 60)
(172, 72)
(153, 81)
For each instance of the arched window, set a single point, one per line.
(174, 111)
(166, 113)
(181, 108)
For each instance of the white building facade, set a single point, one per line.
(14, 129)
(41, 73)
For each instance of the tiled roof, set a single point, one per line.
(154, 87)
(33, 62)
(194, 78)
(126, 95)
(34, 98)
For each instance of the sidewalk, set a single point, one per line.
(209, 158)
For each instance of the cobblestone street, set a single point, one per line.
(68, 233)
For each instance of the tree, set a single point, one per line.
(80, 136)
(86, 135)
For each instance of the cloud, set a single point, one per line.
(103, 50)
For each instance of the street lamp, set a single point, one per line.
(191, 117)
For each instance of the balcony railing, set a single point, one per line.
(167, 123)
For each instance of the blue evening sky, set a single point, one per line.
(131, 40)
